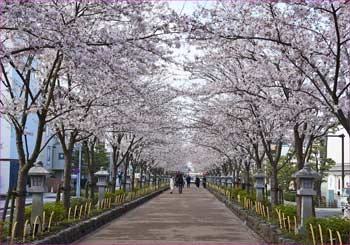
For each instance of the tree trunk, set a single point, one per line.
(133, 178)
(67, 180)
(114, 169)
(274, 185)
(141, 176)
(20, 201)
(126, 164)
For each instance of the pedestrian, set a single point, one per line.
(180, 182)
(171, 184)
(204, 181)
(197, 181)
(188, 181)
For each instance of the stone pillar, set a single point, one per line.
(38, 179)
(229, 182)
(101, 175)
(306, 177)
(259, 185)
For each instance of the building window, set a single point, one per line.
(60, 156)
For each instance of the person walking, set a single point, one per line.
(197, 181)
(188, 181)
(204, 182)
(172, 184)
(180, 182)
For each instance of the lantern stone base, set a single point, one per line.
(259, 194)
(37, 208)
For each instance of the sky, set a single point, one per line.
(188, 7)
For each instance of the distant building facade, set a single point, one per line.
(334, 151)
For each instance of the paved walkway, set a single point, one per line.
(195, 216)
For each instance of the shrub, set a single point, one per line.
(288, 210)
(56, 207)
(115, 194)
(289, 196)
(77, 201)
(333, 223)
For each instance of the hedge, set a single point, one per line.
(334, 223)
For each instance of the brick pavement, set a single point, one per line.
(195, 216)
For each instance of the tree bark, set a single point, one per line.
(114, 168)
(274, 186)
(67, 180)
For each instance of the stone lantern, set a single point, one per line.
(259, 185)
(102, 177)
(151, 180)
(218, 180)
(128, 182)
(229, 182)
(222, 181)
(306, 178)
(38, 185)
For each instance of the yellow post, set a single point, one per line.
(312, 234)
(264, 212)
(330, 236)
(89, 208)
(50, 221)
(80, 211)
(295, 225)
(25, 231)
(43, 223)
(34, 226)
(268, 213)
(85, 209)
(69, 210)
(75, 211)
(320, 231)
(339, 237)
(13, 231)
(288, 223)
(280, 218)
(284, 221)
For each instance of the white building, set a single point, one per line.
(334, 151)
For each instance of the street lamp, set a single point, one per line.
(342, 136)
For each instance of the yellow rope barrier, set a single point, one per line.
(312, 234)
(321, 235)
(330, 236)
(13, 231)
(50, 221)
(25, 230)
(34, 226)
(339, 237)
(69, 211)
